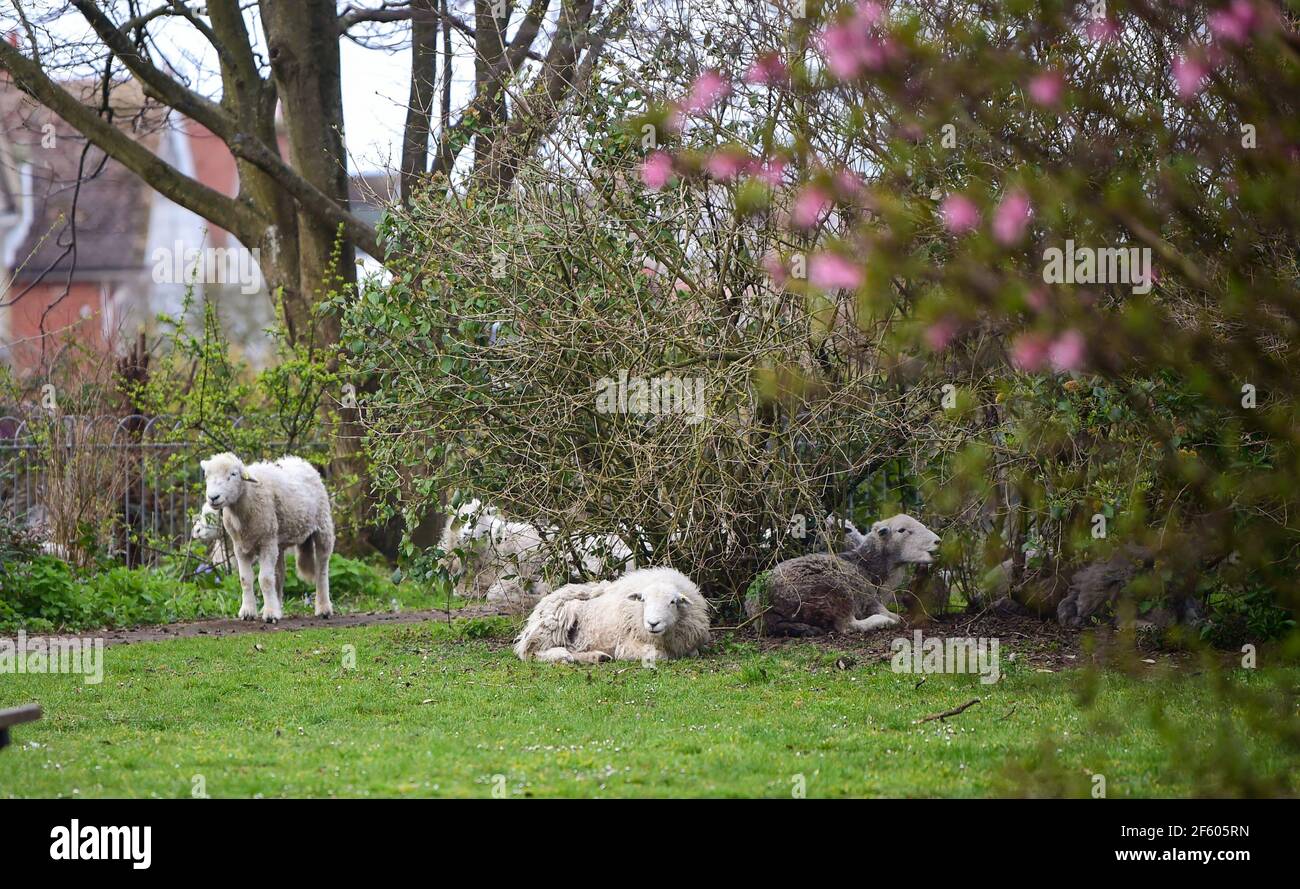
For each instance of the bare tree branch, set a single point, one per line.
(162, 176)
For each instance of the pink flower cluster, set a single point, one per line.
(831, 271)
(656, 170)
(1046, 88)
(1010, 220)
(1103, 30)
(1235, 22)
(959, 213)
(811, 206)
(1190, 71)
(857, 44)
(768, 68)
(709, 88)
(1033, 351)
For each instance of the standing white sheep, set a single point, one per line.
(642, 616)
(265, 508)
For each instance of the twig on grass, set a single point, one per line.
(953, 712)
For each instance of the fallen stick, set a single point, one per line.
(953, 712)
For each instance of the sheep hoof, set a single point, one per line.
(325, 614)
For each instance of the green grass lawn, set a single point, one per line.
(446, 710)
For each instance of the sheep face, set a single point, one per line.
(225, 480)
(908, 540)
(207, 524)
(661, 604)
(477, 521)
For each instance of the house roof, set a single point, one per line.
(112, 203)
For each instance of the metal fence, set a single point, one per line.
(157, 484)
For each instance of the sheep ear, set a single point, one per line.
(203, 464)
(248, 478)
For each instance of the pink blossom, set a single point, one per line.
(1103, 30)
(959, 213)
(940, 334)
(849, 183)
(810, 206)
(830, 271)
(854, 45)
(912, 132)
(1046, 88)
(767, 68)
(1189, 76)
(727, 164)
(1029, 352)
(708, 88)
(1011, 218)
(870, 12)
(771, 172)
(656, 170)
(775, 269)
(1234, 23)
(1066, 352)
(1037, 299)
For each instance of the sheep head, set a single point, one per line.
(225, 477)
(907, 540)
(207, 524)
(661, 604)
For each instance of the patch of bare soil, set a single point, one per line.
(234, 627)
(1043, 644)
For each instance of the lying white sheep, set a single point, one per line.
(644, 615)
(266, 508)
(511, 562)
(491, 558)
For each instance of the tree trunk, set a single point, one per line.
(303, 46)
(489, 47)
(419, 112)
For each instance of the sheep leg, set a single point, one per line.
(557, 655)
(266, 571)
(561, 655)
(875, 622)
(324, 546)
(248, 609)
(279, 580)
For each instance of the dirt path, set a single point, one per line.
(215, 628)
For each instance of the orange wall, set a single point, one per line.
(78, 317)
